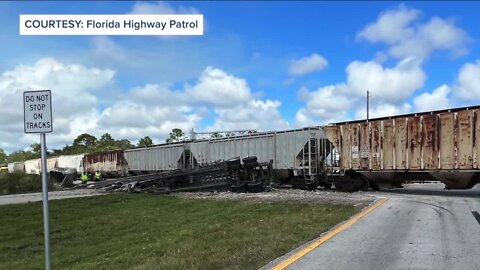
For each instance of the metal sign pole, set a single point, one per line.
(46, 229)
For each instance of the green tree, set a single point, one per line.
(85, 140)
(20, 155)
(123, 144)
(145, 142)
(36, 149)
(3, 156)
(106, 139)
(175, 135)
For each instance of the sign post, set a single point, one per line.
(37, 107)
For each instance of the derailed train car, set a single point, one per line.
(110, 163)
(16, 167)
(439, 145)
(296, 155)
(157, 158)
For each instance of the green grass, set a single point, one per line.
(140, 231)
(19, 182)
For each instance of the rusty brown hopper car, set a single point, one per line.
(110, 164)
(439, 145)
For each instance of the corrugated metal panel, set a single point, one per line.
(415, 143)
(401, 143)
(447, 143)
(376, 146)
(260, 146)
(388, 156)
(364, 145)
(476, 128)
(71, 161)
(282, 147)
(200, 151)
(51, 163)
(157, 158)
(354, 140)
(33, 166)
(429, 142)
(444, 140)
(112, 161)
(465, 139)
(11, 167)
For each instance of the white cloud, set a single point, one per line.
(400, 29)
(467, 86)
(105, 47)
(390, 88)
(382, 109)
(392, 26)
(324, 105)
(132, 119)
(255, 114)
(74, 100)
(153, 109)
(436, 100)
(216, 87)
(394, 85)
(308, 64)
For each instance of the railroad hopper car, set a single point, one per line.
(70, 161)
(32, 166)
(298, 156)
(439, 145)
(64, 169)
(157, 158)
(110, 164)
(16, 167)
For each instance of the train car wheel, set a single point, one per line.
(239, 188)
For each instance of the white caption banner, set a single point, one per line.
(125, 25)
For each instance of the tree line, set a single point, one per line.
(86, 143)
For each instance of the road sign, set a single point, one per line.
(37, 106)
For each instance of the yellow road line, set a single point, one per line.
(329, 235)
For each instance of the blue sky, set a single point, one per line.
(259, 65)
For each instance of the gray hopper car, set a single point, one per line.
(439, 145)
(298, 154)
(157, 158)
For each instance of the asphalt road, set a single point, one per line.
(53, 195)
(419, 227)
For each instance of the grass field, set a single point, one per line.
(139, 231)
(19, 182)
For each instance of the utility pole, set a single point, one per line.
(368, 103)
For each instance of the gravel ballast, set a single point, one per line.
(297, 195)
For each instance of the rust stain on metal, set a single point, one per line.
(429, 142)
(465, 140)
(401, 143)
(388, 146)
(415, 142)
(375, 146)
(355, 145)
(364, 146)
(445, 140)
(476, 138)
(112, 161)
